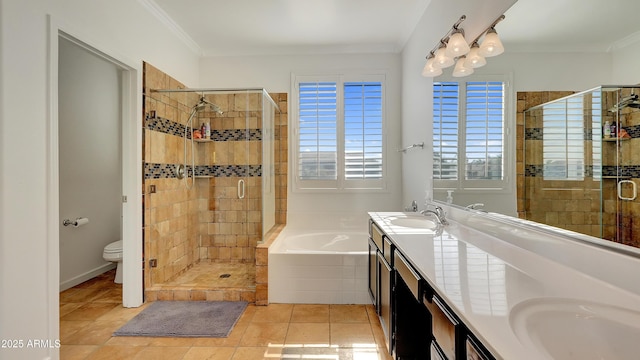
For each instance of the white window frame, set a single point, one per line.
(340, 184)
(461, 185)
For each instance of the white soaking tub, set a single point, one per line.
(319, 267)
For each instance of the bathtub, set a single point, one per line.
(318, 267)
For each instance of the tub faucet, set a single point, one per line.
(438, 213)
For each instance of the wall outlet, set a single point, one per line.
(152, 189)
(153, 263)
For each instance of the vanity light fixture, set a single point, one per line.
(453, 48)
(462, 69)
(457, 45)
(491, 45)
(431, 69)
(474, 59)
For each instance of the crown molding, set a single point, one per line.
(170, 24)
(624, 42)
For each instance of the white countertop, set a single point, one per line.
(488, 272)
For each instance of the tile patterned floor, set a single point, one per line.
(92, 311)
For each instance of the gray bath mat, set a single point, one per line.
(185, 319)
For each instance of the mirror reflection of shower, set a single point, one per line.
(202, 105)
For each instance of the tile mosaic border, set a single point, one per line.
(630, 171)
(168, 171)
(537, 133)
(171, 127)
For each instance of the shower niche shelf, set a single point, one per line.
(202, 140)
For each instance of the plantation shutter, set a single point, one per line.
(484, 134)
(317, 146)
(563, 140)
(363, 130)
(445, 130)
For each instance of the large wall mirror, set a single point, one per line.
(571, 171)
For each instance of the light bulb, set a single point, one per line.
(491, 45)
(474, 59)
(461, 69)
(430, 68)
(442, 60)
(457, 45)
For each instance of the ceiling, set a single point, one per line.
(259, 27)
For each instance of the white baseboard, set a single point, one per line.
(86, 276)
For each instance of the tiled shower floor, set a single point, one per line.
(214, 276)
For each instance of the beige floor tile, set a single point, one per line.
(263, 334)
(308, 333)
(232, 340)
(90, 311)
(68, 328)
(350, 334)
(76, 352)
(168, 341)
(122, 313)
(161, 352)
(348, 313)
(95, 333)
(115, 352)
(278, 313)
(130, 340)
(209, 353)
(253, 353)
(310, 313)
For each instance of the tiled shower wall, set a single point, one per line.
(170, 210)
(576, 205)
(206, 222)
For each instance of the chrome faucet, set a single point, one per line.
(438, 213)
(476, 206)
(413, 207)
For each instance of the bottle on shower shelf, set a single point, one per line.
(607, 129)
(203, 131)
(207, 131)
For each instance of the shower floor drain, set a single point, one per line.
(224, 276)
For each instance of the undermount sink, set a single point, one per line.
(573, 329)
(413, 221)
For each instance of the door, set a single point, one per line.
(90, 160)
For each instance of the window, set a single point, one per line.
(563, 139)
(469, 135)
(339, 132)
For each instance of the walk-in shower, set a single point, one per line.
(582, 164)
(200, 239)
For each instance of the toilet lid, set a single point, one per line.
(115, 246)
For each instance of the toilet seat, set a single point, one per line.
(114, 247)
(113, 251)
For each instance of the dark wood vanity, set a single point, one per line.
(417, 322)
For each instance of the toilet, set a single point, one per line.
(113, 253)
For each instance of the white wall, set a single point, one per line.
(625, 65)
(122, 28)
(274, 74)
(89, 108)
(417, 104)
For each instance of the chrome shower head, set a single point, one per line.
(629, 101)
(204, 104)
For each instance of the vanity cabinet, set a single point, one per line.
(417, 322)
(381, 279)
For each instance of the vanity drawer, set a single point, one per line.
(376, 235)
(406, 272)
(387, 246)
(475, 351)
(445, 326)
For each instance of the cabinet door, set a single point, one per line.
(437, 353)
(373, 274)
(475, 351)
(385, 273)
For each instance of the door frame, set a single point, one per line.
(132, 295)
